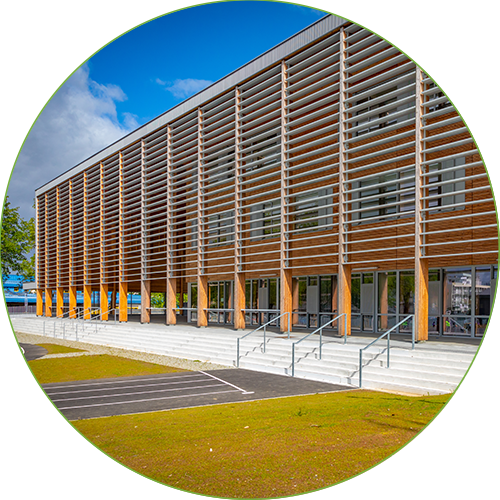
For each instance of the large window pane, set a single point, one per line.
(457, 292)
(387, 293)
(355, 293)
(406, 292)
(483, 291)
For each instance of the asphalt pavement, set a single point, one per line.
(127, 395)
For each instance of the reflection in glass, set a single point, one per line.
(483, 289)
(406, 292)
(457, 292)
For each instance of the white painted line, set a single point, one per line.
(116, 382)
(145, 400)
(228, 383)
(102, 396)
(15, 357)
(125, 387)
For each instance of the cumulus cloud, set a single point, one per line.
(35, 57)
(135, 8)
(183, 88)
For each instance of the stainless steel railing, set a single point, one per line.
(320, 330)
(264, 326)
(388, 335)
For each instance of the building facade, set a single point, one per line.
(330, 175)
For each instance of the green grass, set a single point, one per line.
(92, 367)
(58, 349)
(265, 448)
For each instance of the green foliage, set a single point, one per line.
(17, 240)
(158, 300)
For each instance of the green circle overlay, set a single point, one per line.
(156, 481)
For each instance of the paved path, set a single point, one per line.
(10, 355)
(126, 395)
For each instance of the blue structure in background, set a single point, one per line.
(15, 295)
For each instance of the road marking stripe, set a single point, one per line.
(145, 400)
(228, 383)
(115, 382)
(127, 387)
(134, 393)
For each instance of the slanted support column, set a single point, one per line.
(344, 283)
(103, 301)
(285, 273)
(39, 302)
(170, 301)
(202, 301)
(345, 297)
(72, 302)
(123, 306)
(59, 302)
(87, 301)
(145, 301)
(48, 302)
(421, 263)
(239, 276)
(239, 301)
(286, 298)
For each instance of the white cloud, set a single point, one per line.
(183, 88)
(135, 8)
(35, 57)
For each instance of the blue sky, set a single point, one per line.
(142, 74)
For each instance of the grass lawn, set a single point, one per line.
(92, 367)
(58, 349)
(265, 448)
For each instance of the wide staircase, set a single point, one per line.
(431, 368)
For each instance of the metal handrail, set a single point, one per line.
(256, 330)
(388, 334)
(320, 330)
(102, 314)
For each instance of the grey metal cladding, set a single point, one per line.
(273, 55)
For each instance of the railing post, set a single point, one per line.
(320, 342)
(293, 359)
(238, 352)
(265, 338)
(388, 347)
(289, 322)
(360, 367)
(345, 328)
(413, 332)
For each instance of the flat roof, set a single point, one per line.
(312, 32)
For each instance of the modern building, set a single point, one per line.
(329, 175)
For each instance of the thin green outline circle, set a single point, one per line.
(293, 495)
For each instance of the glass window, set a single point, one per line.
(457, 292)
(442, 194)
(303, 294)
(325, 298)
(355, 293)
(483, 291)
(406, 292)
(387, 293)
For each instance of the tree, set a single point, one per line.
(17, 241)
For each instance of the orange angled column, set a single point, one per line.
(104, 303)
(87, 301)
(123, 293)
(48, 302)
(39, 302)
(72, 302)
(170, 301)
(59, 302)
(145, 301)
